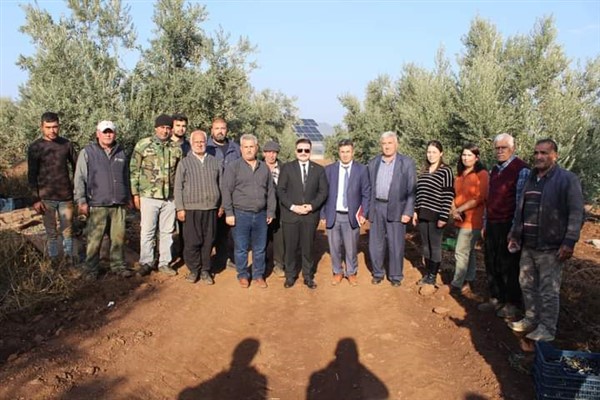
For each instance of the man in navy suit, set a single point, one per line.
(302, 190)
(349, 195)
(393, 183)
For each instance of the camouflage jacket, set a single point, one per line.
(152, 168)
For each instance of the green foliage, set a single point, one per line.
(524, 86)
(11, 138)
(77, 71)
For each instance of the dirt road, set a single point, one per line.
(164, 338)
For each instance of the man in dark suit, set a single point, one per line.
(302, 190)
(349, 195)
(393, 183)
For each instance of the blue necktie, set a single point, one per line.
(345, 197)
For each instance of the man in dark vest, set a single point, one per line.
(507, 179)
(102, 193)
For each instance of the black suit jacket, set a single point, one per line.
(291, 192)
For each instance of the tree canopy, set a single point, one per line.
(524, 85)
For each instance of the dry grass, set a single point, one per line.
(13, 183)
(27, 280)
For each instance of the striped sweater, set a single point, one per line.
(435, 192)
(197, 183)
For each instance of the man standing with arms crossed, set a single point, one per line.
(349, 195)
(547, 224)
(302, 191)
(197, 199)
(102, 194)
(393, 184)
(249, 202)
(507, 179)
(225, 151)
(48, 161)
(275, 234)
(152, 168)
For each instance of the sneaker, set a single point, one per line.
(353, 280)
(491, 305)
(540, 334)
(206, 278)
(192, 277)
(396, 283)
(278, 271)
(337, 279)
(376, 280)
(167, 270)
(523, 325)
(260, 283)
(508, 311)
(145, 269)
(244, 283)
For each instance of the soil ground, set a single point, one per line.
(163, 338)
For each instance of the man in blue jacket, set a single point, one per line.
(345, 210)
(547, 224)
(393, 183)
(226, 151)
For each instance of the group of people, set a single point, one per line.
(529, 218)
(210, 188)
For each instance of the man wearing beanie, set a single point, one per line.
(152, 169)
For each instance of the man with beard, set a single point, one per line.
(180, 123)
(225, 151)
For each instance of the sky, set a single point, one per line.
(316, 51)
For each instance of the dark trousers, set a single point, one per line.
(382, 234)
(431, 238)
(275, 236)
(223, 247)
(501, 266)
(299, 238)
(199, 232)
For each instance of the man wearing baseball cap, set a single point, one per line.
(152, 168)
(101, 191)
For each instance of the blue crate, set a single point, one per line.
(553, 381)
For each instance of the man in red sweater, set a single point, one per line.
(507, 179)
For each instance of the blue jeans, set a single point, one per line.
(465, 256)
(156, 213)
(250, 230)
(64, 209)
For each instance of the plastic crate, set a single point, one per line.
(554, 381)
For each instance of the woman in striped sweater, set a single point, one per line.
(435, 192)
(471, 187)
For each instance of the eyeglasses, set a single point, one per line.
(299, 151)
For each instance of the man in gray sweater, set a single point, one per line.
(249, 202)
(197, 200)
